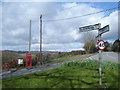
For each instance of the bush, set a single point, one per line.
(90, 47)
(116, 46)
(13, 64)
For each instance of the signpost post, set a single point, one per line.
(101, 44)
(100, 32)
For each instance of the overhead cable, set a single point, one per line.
(81, 15)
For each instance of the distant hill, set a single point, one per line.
(8, 55)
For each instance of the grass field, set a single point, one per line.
(79, 74)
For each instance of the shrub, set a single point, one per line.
(13, 64)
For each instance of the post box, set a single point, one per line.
(7, 66)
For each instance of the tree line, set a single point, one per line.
(90, 46)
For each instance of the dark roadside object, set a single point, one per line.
(15, 69)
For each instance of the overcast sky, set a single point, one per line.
(61, 35)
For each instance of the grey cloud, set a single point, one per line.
(16, 16)
(59, 35)
(113, 23)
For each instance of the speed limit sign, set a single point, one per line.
(101, 45)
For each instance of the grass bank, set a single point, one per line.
(63, 58)
(78, 74)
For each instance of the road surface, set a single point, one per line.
(25, 71)
(34, 69)
(107, 56)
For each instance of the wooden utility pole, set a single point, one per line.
(41, 39)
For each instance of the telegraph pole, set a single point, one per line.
(41, 39)
(30, 37)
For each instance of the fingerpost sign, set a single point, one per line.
(100, 44)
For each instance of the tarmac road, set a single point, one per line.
(25, 71)
(34, 69)
(107, 56)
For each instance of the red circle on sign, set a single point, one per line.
(101, 48)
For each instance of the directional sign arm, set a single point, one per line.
(104, 29)
(89, 28)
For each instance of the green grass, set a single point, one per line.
(78, 74)
(63, 58)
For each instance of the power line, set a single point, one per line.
(82, 15)
(46, 14)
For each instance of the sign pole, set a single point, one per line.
(100, 68)
(100, 32)
(100, 61)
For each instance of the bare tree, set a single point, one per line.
(89, 36)
(90, 42)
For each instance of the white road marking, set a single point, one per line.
(110, 56)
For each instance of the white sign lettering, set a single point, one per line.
(89, 28)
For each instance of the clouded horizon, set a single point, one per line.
(61, 35)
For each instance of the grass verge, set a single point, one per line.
(63, 58)
(78, 74)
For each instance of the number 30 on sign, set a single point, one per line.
(101, 45)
